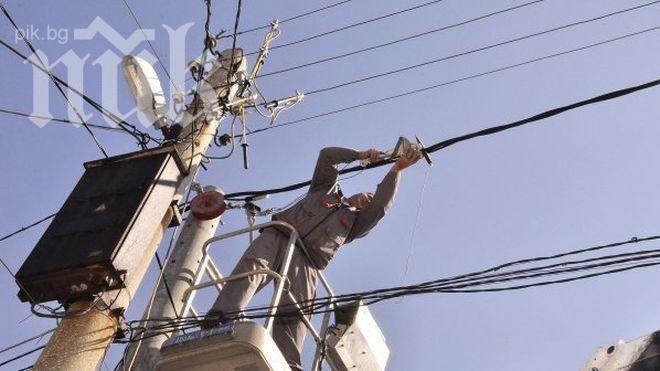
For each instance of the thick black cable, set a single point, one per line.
(552, 282)
(142, 137)
(400, 40)
(633, 240)
(289, 19)
(449, 142)
(57, 85)
(515, 287)
(22, 355)
(452, 82)
(237, 19)
(552, 269)
(461, 54)
(22, 229)
(469, 287)
(544, 115)
(474, 279)
(323, 307)
(479, 279)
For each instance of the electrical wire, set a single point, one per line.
(333, 31)
(469, 287)
(22, 355)
(61, 120)
(161, 267)
(285, 20)
(474, 282)
(489, 131)
(22, 229)
(208, 47)
(484, 132)
(637, 88)
(27, 293)
(468, 52)
(233, 143)
(491, 273)
(353, 25)
(415, 226)
(57, 85)
(142, 138)
(455, 81)
(237, 19)
(162, 65)
(400, 40)
(35, 337)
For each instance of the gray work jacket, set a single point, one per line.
(323, 221)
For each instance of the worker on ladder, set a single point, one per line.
(325, 220)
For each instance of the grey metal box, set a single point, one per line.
(356, 342)
(234, 346)
(76, 255)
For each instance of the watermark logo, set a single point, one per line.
(32, 33)
(108, 63)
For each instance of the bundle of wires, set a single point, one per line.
(516, 275)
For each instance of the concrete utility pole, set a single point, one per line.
(82, 338)
(80, 341)
(186, 260)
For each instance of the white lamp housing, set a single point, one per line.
(146, 89)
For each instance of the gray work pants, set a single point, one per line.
(267, 252)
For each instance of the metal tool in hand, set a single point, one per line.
(402, 146)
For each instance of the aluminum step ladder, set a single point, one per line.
(355, 343)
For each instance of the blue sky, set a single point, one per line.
(575, 180)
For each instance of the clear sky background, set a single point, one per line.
(579, 179)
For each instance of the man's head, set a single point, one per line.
(360, 200)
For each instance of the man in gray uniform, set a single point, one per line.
(325, 220)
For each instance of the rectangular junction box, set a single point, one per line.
(86, 248)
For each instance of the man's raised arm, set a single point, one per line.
(369, 216)
(326, 173)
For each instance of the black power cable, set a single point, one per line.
(466, 283)
(353, 25)
(453, 56)
(167, 285)
(488, 277)
(452, 141)
(160, 62)
(489, 131)
(27, 227)
(60, 120)
(22, 355)
(289, 19)
(400, 40)
(455, 81)
(330, 32)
